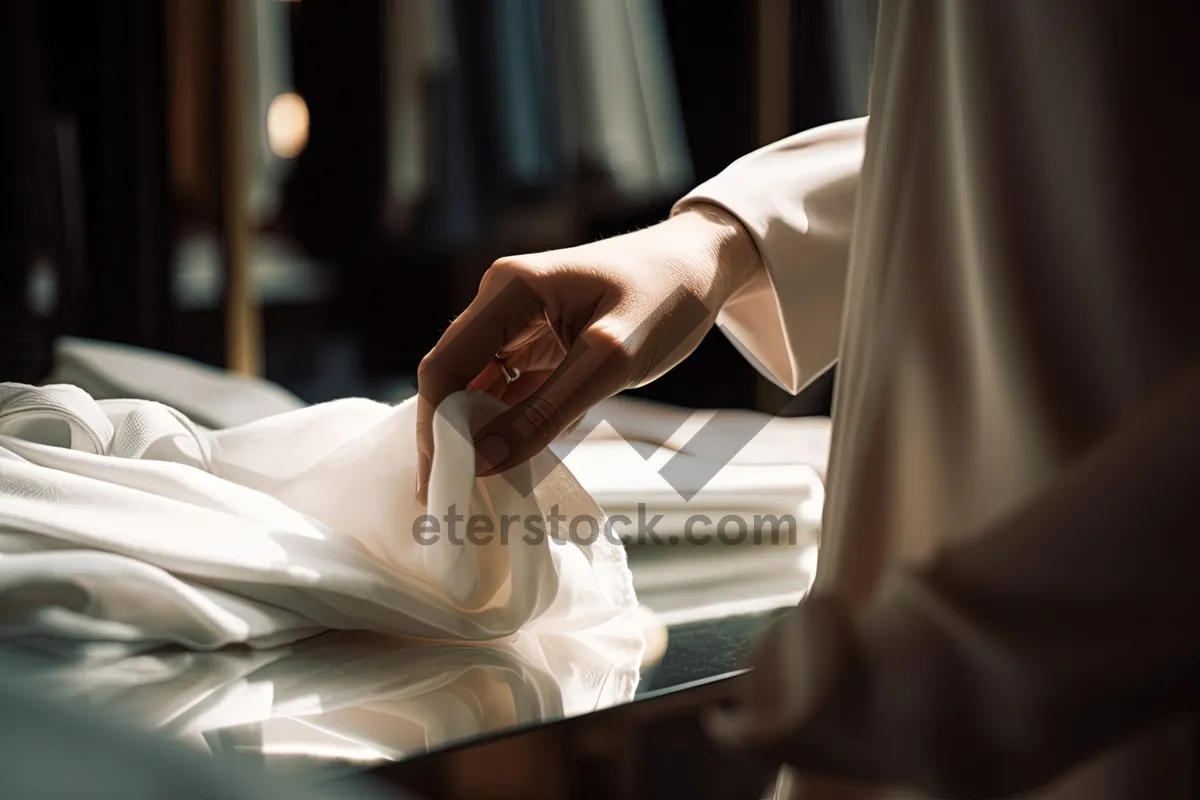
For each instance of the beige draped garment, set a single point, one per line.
(1003, 260)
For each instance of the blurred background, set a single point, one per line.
(308, 191)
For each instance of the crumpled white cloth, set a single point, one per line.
(121, 520)
(353, 696)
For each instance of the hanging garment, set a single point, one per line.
(631, 123)
(1001, 262)
(527, 103)
(350, 696)
(268, 76)
(120, 520)
(419, 54)
(486, 102)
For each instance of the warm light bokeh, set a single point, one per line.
(287, 125)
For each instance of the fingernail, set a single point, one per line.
(490, 454)
(422, 475)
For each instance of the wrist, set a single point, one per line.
(735, 254)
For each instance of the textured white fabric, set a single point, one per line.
(353, 695)
(120, 520)
(209, 396)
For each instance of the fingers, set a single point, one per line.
(596, 367)
(607, 357)
(524, 386)
(491, 380)
(505, 306)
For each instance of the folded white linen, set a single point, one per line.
(121, 520)
(672, 475)
(351, 695)
(758, 438)
(212, 397)
(778, 504)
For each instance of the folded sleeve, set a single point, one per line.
(796, 197)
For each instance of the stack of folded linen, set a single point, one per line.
(667, 475)
(208, 396)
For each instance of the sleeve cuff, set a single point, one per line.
(796, 198)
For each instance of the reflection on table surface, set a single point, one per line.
(349, 701)
(344, 702)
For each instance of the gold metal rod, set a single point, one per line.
(243, 316)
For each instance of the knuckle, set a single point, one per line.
(506, 263)
(516, 280)
(502, 272)
(427, 367)
(615, 347)
(430, 378)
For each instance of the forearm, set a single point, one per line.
(1022, 650)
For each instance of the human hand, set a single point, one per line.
(573, 327)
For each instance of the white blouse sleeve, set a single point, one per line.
(796, 197)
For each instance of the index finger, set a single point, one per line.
(505, 305)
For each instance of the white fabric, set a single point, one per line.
(120, 520)
(624, 445)
(778, 472)
(209, 396)
(352, 695)
(774, 440)
(734, 503)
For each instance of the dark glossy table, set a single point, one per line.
(538, 716)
